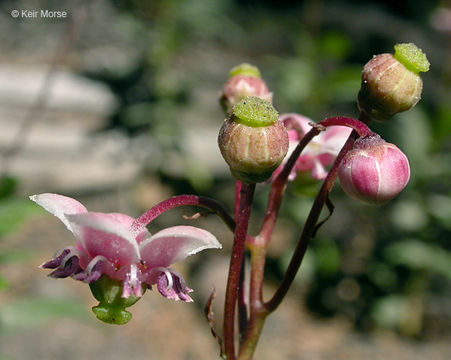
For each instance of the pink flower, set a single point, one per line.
(240, 86)
(106, 244)
(319, 153)
(374, 171)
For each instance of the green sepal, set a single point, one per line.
(255, 112)
(246, 70)
(111, 308)
(111, 314)
(412, 57)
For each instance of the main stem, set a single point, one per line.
(236, 260)
(242, 309)
(258, 247)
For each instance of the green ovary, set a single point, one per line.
(255, 112)
(412, 57)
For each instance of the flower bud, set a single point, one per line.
(391, 83)
(374, 171)
(244, 80)
(111, 308)
(252, 140)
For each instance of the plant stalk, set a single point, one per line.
(236, 261)
(183, 200)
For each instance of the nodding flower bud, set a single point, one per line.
(374, 171)
(244, 80)
(391, 83)
(252, 140)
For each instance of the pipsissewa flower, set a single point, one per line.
(319, 153)
(109, 255)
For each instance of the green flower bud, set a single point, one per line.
(245, 69)
(244, 80)
(252, 140)
(111, 308)
(391, 83)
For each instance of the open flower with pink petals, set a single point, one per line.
(319, 153)
(108, 245)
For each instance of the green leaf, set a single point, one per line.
(29, 313)
(296, 79)
(421, 256)
(327, 257)
(343, 84)
(440, 207)
(8, 185)
(14, 256)
(389, 310)
(198, 175)
(413, 135)
(408, 215)
(3, 283)
(13, 211)
(334, 44)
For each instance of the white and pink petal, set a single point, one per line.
(174, 244)
(102, 234)
(60, 206)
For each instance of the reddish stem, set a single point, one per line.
(355, 124)
(237, 198)
(360, 129)
(242, 309)
(236, 260)
(258, 247)
(308, 229)
(278, 185)
(183, 200)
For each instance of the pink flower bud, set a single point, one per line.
(245, 80)
(391, 83)
(374, 171)
(253, 141)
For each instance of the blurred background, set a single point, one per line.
(117, 105)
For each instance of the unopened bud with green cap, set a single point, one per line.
(391, 83)
(252, 140)
(244, 80)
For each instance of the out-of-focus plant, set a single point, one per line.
(28, 312)
(119, 259)
(13, 211)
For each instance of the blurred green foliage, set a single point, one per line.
(13, 211)
(30, 313)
